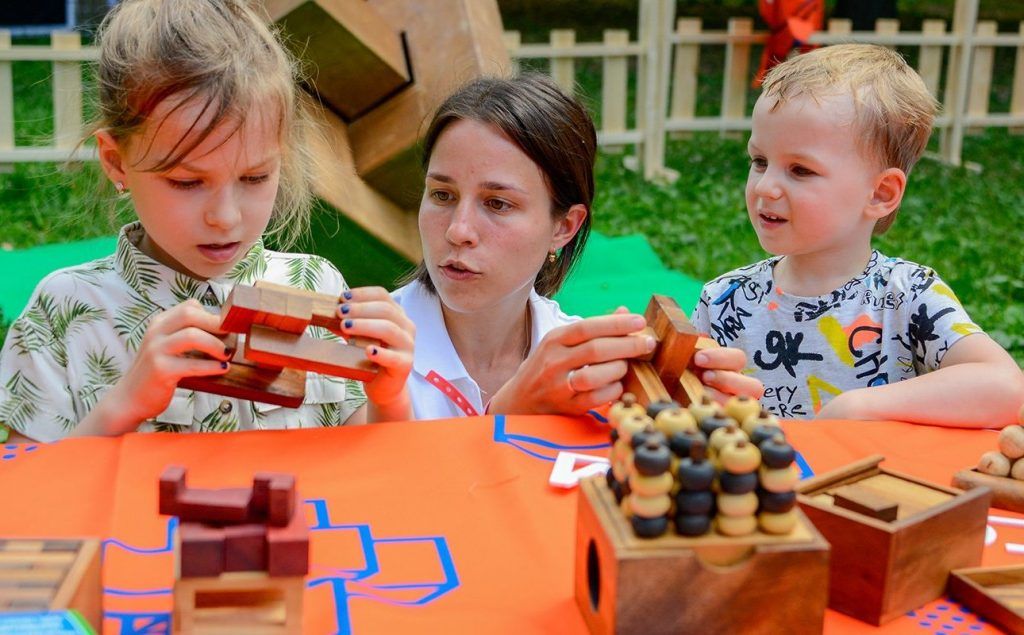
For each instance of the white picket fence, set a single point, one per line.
(666, 54)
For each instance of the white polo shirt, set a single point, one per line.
(439, 385)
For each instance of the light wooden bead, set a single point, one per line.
(994, 463)
(672, 420)
(1011, 441)
(1017, 471)
(724, 436)
(741, 407)
(735, 525)
(777, 524)
(737, 504)
(649, 506)
(651, 485)
(780, 480)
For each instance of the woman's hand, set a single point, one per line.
(145, 390)
(371, 313)
(721, 375)
(575, 367)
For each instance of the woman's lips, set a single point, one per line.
(456, 272)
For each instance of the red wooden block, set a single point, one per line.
(282, 502)
(201, 551)
(288, 548)
(261, 494)
(172, 484)
(215, 506)
(245, 547)
(267, 346)
(240, 309)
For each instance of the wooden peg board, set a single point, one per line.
(51, 575)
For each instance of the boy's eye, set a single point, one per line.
(800, 170)
(758, 162)
(184, 184)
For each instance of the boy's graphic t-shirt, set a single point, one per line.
(894, 321)
(83, 326)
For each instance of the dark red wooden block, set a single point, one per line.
(202, 550)
(245, 547)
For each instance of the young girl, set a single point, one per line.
(504, 216)
(201, 124)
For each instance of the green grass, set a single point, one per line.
(964, 224)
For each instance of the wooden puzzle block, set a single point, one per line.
(995, 593)
(200, 550)
(709, 584)
(238, 602)
(677, 338)
(268, 346)
(689, 389)
(880, 570)
(281, 506)
(323, 308)
(52, 575)
(240, 309)
(172, 485)
(642, 380)
(245, 547)
(288, 548)
(864, 501)
(274, 385)
(359, 56)
(216, 506)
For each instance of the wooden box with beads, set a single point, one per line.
(895, 538)
(704, 584)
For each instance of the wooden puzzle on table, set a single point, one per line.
(895, 538)
(51, 575)
(241, 554)
(1000, 470)
(271, 364)
(995, 593)
(699, 498)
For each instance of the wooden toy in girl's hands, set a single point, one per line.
(1000, 470)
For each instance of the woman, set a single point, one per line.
(504, 217)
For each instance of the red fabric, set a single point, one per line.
(433, 527)
(791, 23)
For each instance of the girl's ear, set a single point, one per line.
(888, 193)
(568, 225)
(110, 156)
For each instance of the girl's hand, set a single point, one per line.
(145, 390)
(575, 367)
(371, 313)
(722, 375)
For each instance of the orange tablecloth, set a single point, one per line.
(443, 526)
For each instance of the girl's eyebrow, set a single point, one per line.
(195, 169)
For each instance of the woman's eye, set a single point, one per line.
(186, 184)
(497, 204)
(441, 196)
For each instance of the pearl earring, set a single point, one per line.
(121, 189)
(552, 257)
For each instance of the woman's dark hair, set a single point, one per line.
(551, 128)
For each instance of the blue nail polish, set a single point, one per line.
(224, 365)
(347, 294)
(345, 309)
(348, 324)
(373, 351)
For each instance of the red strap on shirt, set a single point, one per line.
(452, 393)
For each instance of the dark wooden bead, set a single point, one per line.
(737, 483)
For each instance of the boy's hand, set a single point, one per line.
(722, 374)
(371, 313)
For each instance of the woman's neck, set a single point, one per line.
(811, 275)
(491, 343)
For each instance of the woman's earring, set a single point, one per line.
(121, 189)
(552, 257)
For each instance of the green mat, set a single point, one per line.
(24, 268)
(613, 271)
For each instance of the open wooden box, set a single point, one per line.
(995, 593)
(1007, 493)
(707, 584)
(52, 575)
(882, 569)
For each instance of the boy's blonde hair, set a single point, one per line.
(218, 54)
(894, 109)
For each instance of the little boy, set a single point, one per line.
(833, 328)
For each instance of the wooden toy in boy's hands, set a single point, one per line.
(668, 372)
(1000, 470)
(272, 363)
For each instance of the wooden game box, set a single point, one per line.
(706, 584)
(1007, 493)
(51, 575)
(882, 569)
(995, 593)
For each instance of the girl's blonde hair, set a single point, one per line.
(894, 109)
(221, 55)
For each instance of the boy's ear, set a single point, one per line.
(110, 156)
(568, 225)
(888, 193)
